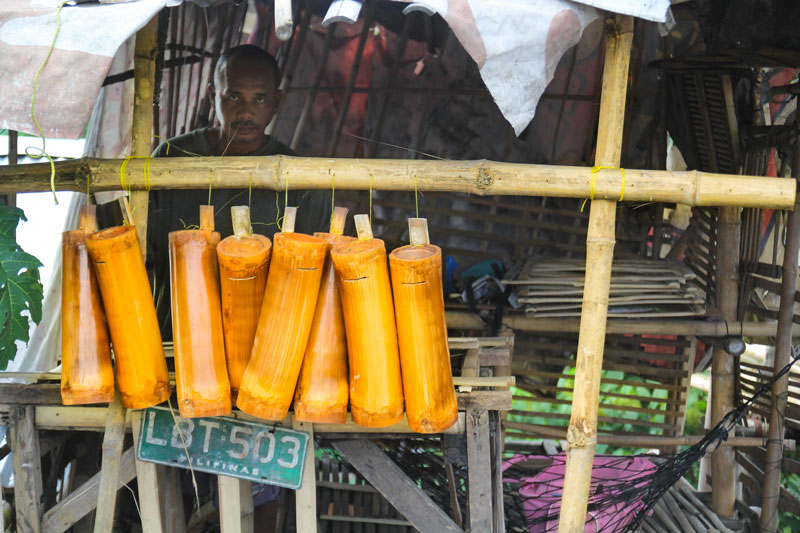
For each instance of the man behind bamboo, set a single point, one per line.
(246, 95)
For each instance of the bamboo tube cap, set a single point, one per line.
(238, 253)
(186, 236)
(116, 239)
(416, 262)
(357, 254)
(297, 246)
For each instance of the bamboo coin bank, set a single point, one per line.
(290, 299)
(86, 372)
(243, 263)
(141, 368)
(322, 390)
(200, 370)
(422, 332)
(376, 390)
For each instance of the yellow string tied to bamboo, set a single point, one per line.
(126, 186)
(593, 183)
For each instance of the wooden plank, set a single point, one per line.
(171, 505)
(83, 500)
(498, 442)
(479, 468)
(109, 471)
(306, 497)
(465, 384)
(488, 400)
(235, 505)
(150, 492)
(469, 370)
(25, 394)
(27, 462)
(394, 485)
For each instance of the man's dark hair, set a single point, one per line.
(251, 54)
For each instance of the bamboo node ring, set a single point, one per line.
(576, 438)
(484, 179)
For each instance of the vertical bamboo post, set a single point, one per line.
(582, 431)
(723, 460)
(783, 353)
(144, 62)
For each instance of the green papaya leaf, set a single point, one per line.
(21, 291)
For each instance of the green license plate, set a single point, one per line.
(225, 446)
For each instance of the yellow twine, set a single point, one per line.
(333, 194)
(370, 199)
(593, 183)
(42, 151)
(416, 195)
(185, 450)
(210, 182)
(122, 172)
(250, 193)
(278, 216)
(166, 141)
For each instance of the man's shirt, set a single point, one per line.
(173, 210)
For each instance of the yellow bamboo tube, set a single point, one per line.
(269, 381)
(243, 262)
(86, 372)
(138, 353)
(376, 390)
(200, 370)
(322, 390)
(422, 332)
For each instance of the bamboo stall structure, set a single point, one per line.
(582, 431)
(87, 375)
(481, 178)
(783, 354)
(202, 376)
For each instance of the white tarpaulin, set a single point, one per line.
(88, 38)
(516, 44)
(655, 10)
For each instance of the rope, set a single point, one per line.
(593, 183)
(333, 194)
(42, 151)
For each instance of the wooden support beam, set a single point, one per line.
(306, 497)
(83, 500)
(481, 178)
(235, 505)
(467, 320)
(27, 462)
(394, 485)
(783, 353)
(723, 460)
(147, 480)
(582, 431)
(479, 467)
(110, 466)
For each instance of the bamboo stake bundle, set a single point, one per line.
(322, 390)
(86, 372)
(376, 393)
(141, 367)
(290, 299)
(422, 332)
(243, 262)
(200, 371)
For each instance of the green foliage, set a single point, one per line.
(20, 289)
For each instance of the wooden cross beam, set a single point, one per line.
(482, 178)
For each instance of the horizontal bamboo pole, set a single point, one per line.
(467, 320)
(482, 178)
(633, 440)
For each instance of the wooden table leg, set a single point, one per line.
(27, 462)
(306, 497)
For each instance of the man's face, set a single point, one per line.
(246, 99)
